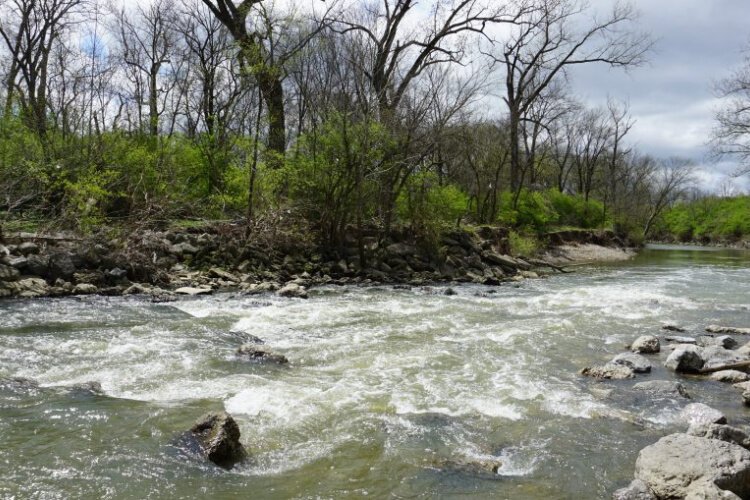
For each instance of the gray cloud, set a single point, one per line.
(672, 98)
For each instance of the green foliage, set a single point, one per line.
(708, 219)
(575, 211)
(523, 244)
(429, 205)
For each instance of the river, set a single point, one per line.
(384, 387)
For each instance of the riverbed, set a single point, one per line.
(387, 390)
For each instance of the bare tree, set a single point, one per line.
(29, 29)
(731, 136)
(668, 182)
(550, 38)
(147, 43)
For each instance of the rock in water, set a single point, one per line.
(685, 359)
(680, 466)
(662, 388)
(723, 341)
(252, 353)
(700, 414)
(638, 363)
(636, 490)
(610, 371)
(731, 376)
(673, 328)
(187, 290)
(219, 438)
(293, 290)
(646, 344)
(728, 329)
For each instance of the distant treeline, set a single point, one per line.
(708, 220)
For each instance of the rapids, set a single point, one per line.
(383, 387)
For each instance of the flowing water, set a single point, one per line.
(384, 388)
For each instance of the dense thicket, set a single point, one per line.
(708, 219)
(350, 115)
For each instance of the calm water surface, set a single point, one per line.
(383, 387)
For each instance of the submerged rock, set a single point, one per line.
(91, 388)
(700, 414)
(252, 353)
(638, 363)
(610, 371)
(673, 328)
(685, 359)
(684, 466)
(470, 466)
(680, 340)
(646, 344)
(662, 388)
(218, 436)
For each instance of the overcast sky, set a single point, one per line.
(672, 98)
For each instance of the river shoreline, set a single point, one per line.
(197, 262)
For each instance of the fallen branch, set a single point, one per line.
(544, 263)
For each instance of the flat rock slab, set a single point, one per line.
(680, 340)
(680, 466)
(610, 371)
(730, 376)
(638, 363)
(187, 290)
(731, 330)
(700, 414)
(662, 388)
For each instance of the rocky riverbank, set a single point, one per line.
(201, 261)
(711, 459)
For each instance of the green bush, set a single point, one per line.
(708, 219)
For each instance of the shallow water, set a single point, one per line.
(384, 386)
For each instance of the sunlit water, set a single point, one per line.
(384, 386)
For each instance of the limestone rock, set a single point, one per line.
(728, 329)
(293, 290)
(700, 414)
(638, 363)
(680, 465)
(646, 344)
(188, 290)
(636, 490)
(723, 341)
(610, 371)
(685, 359)
(721, 432)
(84, 289)
(730, 376)
(662, 388)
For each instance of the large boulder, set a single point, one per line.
(610, 371)
(721, 432)
(218, 436)
(31, 288)
(685, 359)
(700, 414)
(662, 388)
(638, 363)
(717, 358)
(683, 466)
(61, 265)
(646, 344)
